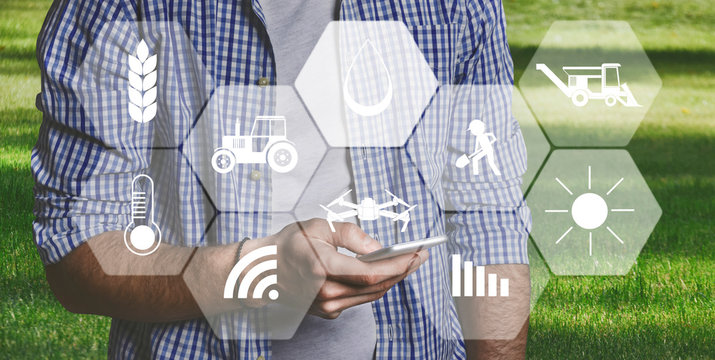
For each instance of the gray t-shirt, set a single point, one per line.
(294, 28)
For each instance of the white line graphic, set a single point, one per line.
(490, 287)
(142, 84)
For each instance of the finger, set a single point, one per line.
(330, 304)
(331, 309)
(323, 315)
(347, 235)
(316, 309)
(352, 271)
(337, 289)
(353, 238)
(331, 290)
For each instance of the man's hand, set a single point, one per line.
(308, 261)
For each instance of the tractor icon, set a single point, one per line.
(580, 91)
(266, 143)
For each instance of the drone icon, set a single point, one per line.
(368, 209)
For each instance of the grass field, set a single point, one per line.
(662, 309)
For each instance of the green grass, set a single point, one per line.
(33, 325)
(662, 309)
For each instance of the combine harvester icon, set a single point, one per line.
(610, 89)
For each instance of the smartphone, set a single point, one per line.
(402, 248)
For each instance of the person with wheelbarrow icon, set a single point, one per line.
(482, 149)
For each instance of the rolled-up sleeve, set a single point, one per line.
(490, 221)
(81, 180)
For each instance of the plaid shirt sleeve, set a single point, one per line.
(71, 163)
(490, 224)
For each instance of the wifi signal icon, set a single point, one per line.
(259, 269)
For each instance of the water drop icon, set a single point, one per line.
(377, 108)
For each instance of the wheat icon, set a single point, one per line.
(142, 84)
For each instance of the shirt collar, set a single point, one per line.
(258, 10)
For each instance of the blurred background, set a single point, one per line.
(663, 308)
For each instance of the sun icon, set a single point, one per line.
(589, 211)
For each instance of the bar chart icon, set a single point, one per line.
(476, 278)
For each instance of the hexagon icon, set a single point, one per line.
(152, 213)
(262, 296)
(590, 83)
(442, 128)
(488, 303)
(141, 85)
(333, 194)
(592, 212)
(366, 83)
(254, 140)
(487, 291)
(333, 181)
(268, 299)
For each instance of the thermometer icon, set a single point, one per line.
(142, 236)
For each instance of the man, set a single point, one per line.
(394, 309)
(483, 147)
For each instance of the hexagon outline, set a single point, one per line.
(167, 219)
(605, 120)
(326, 98)
(553, 186)
(271, 321)
(216, 124)
(103, 85)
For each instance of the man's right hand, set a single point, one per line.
(308, 260)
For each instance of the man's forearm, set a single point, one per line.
(496, 327)
(82, 286)
(499, 349)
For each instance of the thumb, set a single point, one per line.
(351, 237)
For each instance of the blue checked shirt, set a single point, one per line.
(83, 162)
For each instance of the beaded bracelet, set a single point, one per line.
(240, 247)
